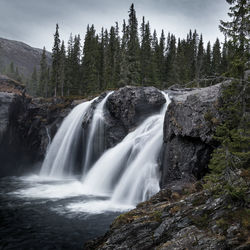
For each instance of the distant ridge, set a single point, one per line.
(22, 55)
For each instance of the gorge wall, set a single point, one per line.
(28, 124)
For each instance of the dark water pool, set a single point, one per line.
(53, 214)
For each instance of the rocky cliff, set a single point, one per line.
(26, 126)
(189, 126)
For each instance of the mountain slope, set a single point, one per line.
(22, 55)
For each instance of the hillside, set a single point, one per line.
(22, 55)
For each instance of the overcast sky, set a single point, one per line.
(33, 21)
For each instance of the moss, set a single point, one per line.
(201, 221)
(157, 216)
(199, 200)
(175, 209)
(223, 224)
(122, 219)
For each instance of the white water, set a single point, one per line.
(59, 160)
(129, 171)
(96, 138)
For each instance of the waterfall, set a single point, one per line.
(129, 171)
(49, 138)
(96, 139)
(59, 159)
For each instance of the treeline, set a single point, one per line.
(137, 57)
(11, 71)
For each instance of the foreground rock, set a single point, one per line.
(189, 126)
(191, 219)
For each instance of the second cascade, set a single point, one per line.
(128, 173)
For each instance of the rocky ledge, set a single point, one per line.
(26, 126)
(189, 126)
(189, 219)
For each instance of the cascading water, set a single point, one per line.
(128, 172)
(59, 160)
(96, 138)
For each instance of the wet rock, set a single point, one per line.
(189, 126)
(129, 106)
(26, 127)
(181, 223)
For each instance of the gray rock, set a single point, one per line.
(189, 126)
(5, 101)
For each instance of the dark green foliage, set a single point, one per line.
(108, 61)
(43, 88)
(216, 59)
(233, 136)
(55, 75)
(237, 29)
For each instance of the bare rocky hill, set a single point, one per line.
(22, 55)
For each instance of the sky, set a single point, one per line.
(34, 21)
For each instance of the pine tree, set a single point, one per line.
(161, 59)
(238, 30)
(69, 74)
(200, 59)
(75, 64)
(55, 78)
(133, 48)
(208, 60)
(43, 78)
(146, 57)
(216, 60)
(171, 63)
(62, 68)
(124, 57)
(224, 58)
(90, 62)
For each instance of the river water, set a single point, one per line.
(55, 214)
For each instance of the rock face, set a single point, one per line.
(193, 219)
(189, 126)
(127, 107)
(26, 125)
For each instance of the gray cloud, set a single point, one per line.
(33, 21)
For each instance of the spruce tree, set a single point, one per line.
(69, 74)
(237, 29)
(146, 57)
(200, 59)
(55, 78)
(43, 78)
(171, 63)
(133, 48)
(90, 62)
(62, 68)
(216, 60)
(208, 60)
(124, 70)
